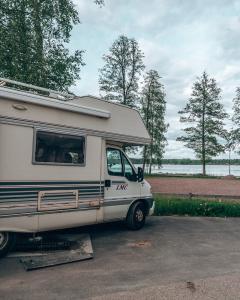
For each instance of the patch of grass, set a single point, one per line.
(174, 205)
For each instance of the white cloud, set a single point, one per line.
(180, 39)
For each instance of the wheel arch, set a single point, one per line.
(145, 203)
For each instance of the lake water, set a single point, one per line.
(218, 170)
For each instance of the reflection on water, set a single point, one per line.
(218, 170)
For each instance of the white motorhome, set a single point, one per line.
(62, 162)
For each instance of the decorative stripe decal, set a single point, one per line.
(48, 182)
(26, 211)
(40, 188)
(21, 198)
(18, 197)
(118, 182)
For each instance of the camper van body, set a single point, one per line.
(91, 181)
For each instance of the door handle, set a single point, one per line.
(107, 183)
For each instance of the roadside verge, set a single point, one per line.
(190, 206)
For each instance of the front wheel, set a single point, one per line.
(136, 216)
(7, 241)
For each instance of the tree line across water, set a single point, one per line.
(187, 161)
(34, 49)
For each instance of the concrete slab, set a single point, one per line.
(175, 257)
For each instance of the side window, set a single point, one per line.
(128, 170)
(56, 148)
(114, 162)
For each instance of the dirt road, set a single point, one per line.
(198, 186)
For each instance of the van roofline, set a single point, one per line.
(102, 99)
(28, 97)
(37, 89)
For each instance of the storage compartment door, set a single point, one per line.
(57, 200)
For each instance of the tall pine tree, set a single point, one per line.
(206, 115)
(153, 112)
(119, 77)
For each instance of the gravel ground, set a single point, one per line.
(170, 258)
(199, 186)
(219, 288)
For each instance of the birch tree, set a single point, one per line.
(205, 115)
(119, 76)
(153, 112)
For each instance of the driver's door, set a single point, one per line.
(121, 185)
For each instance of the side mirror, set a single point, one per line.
(140, 174)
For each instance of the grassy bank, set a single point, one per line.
(174, 205)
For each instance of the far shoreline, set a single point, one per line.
(186, 161)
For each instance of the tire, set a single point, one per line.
(136, 216)
(7, 242)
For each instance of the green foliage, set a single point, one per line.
(236, 119)
(99, 2)
(119, 77)
(153, 108)
(33, 36)
(236, 108)
(195, 207)
(206, 115)
(230, 139)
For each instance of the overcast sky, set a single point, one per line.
(180, 39)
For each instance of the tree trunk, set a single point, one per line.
(229, 162)
(144, 158)
(150, 167)
(203, 139)
(203, 148)
(150, 159)
(147, 125)
(204, 167)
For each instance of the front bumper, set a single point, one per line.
(151, 205)
(151, 210)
